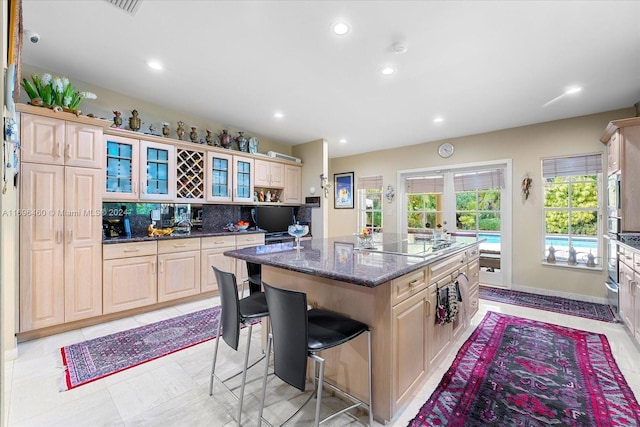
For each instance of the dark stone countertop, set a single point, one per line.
(145, 238)
(340, 258)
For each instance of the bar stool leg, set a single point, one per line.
(264, 379)
(370, 381)
(319, 389)
(244, 374)
(215, 356)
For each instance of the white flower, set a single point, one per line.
(57, 85)
(65, 82)
(66, 101)
(89, 95)
(46, 79)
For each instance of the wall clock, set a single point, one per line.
(445, 150)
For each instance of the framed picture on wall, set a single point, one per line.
(343, 184)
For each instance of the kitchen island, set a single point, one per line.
(392, 287)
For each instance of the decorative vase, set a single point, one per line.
(165, 130)
(551, 258)
(242, 142)
(209, 137)
(193, 134)
(180, 130)
(225, 139)
(134, 121)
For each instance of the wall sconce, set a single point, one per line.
(526, 187)
(390, 193)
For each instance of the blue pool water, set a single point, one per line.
(577, 242)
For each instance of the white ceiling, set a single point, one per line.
(481, 65)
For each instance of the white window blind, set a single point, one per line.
(425, 184)
(478, 180)
(589, 164)
(370, 182)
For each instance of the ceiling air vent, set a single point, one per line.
(129, 6)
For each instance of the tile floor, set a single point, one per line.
(173, 390)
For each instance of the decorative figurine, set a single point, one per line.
(165, 129)
(193, 134)
(180, 130)
(134, 121)
(551, 258)
(209, 137)
(152, 129)
(572, 260)
(117, 119)
(242, 142)
(253, 145)
(225, 139)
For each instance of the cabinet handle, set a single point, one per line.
(161, 267)
(132, 250)
(56, 153)
(428, 307)
(70, 235)
(135, 188)
(181, 245)
(58, 236)
(413, 283)
(153, 267)
(627, 257)
(142, 187)
(67, 151)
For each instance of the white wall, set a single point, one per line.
(525, 146)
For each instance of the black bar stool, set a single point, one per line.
(254, 273)
(236, 313)
(298, 333)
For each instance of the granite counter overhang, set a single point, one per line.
(339, 259)
(194, 234)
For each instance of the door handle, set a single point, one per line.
(161, 267)
(153, 267)
(70, 235)
(428, 308)
(67, 151)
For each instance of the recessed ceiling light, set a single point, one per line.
(340, 28)
(342, 141)
(278, 115)
(575, 89)
(387, 71)
(438, 120)
(155, 65)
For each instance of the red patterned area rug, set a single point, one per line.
(589, 310)
(100, 357)
(519, 372)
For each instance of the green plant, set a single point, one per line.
(54, 92)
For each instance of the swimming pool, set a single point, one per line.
(556, 242)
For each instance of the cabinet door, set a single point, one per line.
(178, 275)
(219, 176)
(83, 243)
(122, 169)
(84, 146)
(439, 336)
(243, 175)
(41, 246)
(626, 296)
(262, 173)
(613, 154)
(157, 176)
(293, 184)
(410, 345)
(190, 172)
(636, 306)
(214, 257)
(129, 283)
(43, 139)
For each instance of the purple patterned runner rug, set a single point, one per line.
(99, 357)
(519, 372)
(589, 310)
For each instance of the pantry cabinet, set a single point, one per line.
(129, 276)
(61, 226)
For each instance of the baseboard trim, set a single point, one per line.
(554, 293)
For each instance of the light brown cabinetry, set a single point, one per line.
(269, 174)
(61, 224)
(129, 276)
(629, 296)
(178, 268)
(622, 138)
(190, 170)
(219, 176)
(122, 170)
(293, 184)
(212, 249)
(245, 241)
(157, 171)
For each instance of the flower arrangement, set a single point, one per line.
(54, 92)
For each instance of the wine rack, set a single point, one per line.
(190, 174)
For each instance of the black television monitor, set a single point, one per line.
(274, 219)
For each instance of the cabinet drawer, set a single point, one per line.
(473, 253)
(443, 270)
(218, 242)
(250, 239)
(408, 285)
(125, 250)
(178, 245)
(474, 273)
(474, 301)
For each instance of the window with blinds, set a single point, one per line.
(478, 195)
(370, 203)
(424, 202)
(572, 192)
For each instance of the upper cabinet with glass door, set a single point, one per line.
(158, 171)
(219, 177)
(243, 175)
(122, 168)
